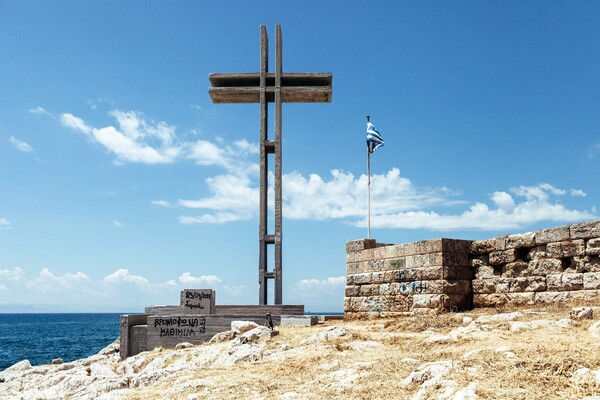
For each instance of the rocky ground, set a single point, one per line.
(484, 354)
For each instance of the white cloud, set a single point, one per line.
(11, 275)
(120, 290)
(188, 280)
(536, 207)
(4, 224)
(135, 139)
(593, 150)
(117, 224)
(162, 203)
(19, 145)
(123, 276)
(578, 193)
(233, 199)
(71, 121)
(318, 295)
(396, 203)
(40, 111)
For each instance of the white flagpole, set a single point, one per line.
(368, 189)
(368, 194)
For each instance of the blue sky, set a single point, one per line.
(121, 183)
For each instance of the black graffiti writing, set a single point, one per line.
(180, 322)
(193, 306)
(197, 295)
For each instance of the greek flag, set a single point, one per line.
(374, 139)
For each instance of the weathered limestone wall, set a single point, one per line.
(545, 266)
(383, 278)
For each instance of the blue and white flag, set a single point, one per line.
(374, 139)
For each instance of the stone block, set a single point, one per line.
(401, 250)
(369, 290)
(455, 259)
(429, 246)
(537, 253)
(418, 261)
(579, 313)
(430, 300)
(553, 282)
(458, 287)
(585, 230)
(551, 297)
(400, 303)
(571, 282)
(545, 267)
(500, 243)
(299, 320)
(360, 244)
(521, 299)
(590, 264)
(397, 263)
(585, 296)
(425, 287)
(432, 273)
(566, 249)
(503, 257)
(479, 247)
(592, 247)
(490, 300)
(352, 291)
(478, 261)
(198, 301)
(515, 269)
(528, 284)
(383, 277)
(591, 280)
(362, 279)
(558, 234)
(484, 271)
(354, 268)
(406, 275)
(456, 246)
(416, 274)
(520, 240)
(491, 285)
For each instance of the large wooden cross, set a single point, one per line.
(270, 87)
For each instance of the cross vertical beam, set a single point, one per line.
(278, 295)
(265, 87)
(265, 149)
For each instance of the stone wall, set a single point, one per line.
(549, 265)
(546, 266)
(383, 278)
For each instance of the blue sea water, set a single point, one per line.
(40, 338)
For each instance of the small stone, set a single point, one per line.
(57, 361)
(184, 345)
(582, 313)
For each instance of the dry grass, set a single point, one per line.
(541, 363)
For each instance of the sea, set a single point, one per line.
(40, 338)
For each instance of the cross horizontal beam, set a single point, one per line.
(296, 87)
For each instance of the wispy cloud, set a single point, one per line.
(134, 138)
(118, 290)
(117, 224)
(19, 145)
(396, 203)
(5, 224)
(318, 294)
(40, 111)
(594, 150)
(124, 290)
